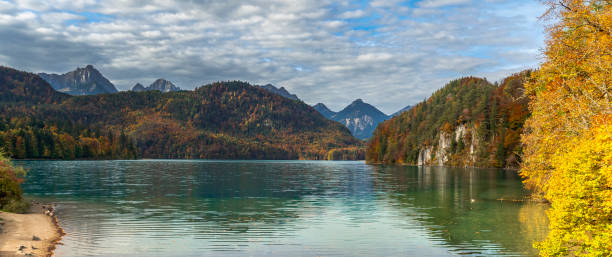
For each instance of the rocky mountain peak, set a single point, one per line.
(163, 86)
(359, 117)
(81, 81)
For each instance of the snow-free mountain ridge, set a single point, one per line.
(82, 81)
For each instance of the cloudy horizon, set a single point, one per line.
(389, 53)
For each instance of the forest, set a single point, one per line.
(493, 113)
(224, 120)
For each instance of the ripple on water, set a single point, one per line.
(281, 208)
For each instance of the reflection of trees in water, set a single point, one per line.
(238, 201)
(202, 199)
(534, 222)
(461, 206)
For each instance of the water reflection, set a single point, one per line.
(190, 208)
(473, 210)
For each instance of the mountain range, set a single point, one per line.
(223, 120)
(82, 81)
(359, 117)
(161, 85)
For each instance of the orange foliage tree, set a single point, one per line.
(567, 138)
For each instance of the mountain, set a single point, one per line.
(82, 81)
(279, 91)
(138, 88)
(224, 120)
(360, 118)
(401, 110)
(161, 85)
(322, 109)
(469, 122)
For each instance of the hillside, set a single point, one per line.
(469, 122)
(226, 120)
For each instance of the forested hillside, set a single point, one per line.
(227, 120)
(469, 122)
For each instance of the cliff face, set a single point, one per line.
(468, 123)
(445, 152)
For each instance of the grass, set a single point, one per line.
(16, 206)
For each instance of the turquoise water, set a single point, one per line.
(284, 208)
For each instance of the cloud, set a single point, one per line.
(441, 3)
(352, 14)
(390, 53)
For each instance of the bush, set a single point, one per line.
(11, 195)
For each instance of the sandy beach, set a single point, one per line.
(31, 234)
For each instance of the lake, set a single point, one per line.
(284, 208)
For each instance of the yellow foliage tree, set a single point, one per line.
(580, 190)
(567, 138)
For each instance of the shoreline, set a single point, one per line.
(31, 234)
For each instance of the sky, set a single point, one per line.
(389, 53)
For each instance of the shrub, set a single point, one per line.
(11, 195)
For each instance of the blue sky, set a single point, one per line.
(390, 53)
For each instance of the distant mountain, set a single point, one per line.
(161, 85)
(82, 81)
(279, 91)
(138, 88)
(321, 108)
(359, 117)
(224, 120)
(401, 110)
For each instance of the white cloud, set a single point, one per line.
(352, 14)
(59, 17)
(441, 3)
(316, 49)
(385, 3)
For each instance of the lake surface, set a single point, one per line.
(284, 208)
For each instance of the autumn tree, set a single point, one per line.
(11, 199)
(568, 149)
